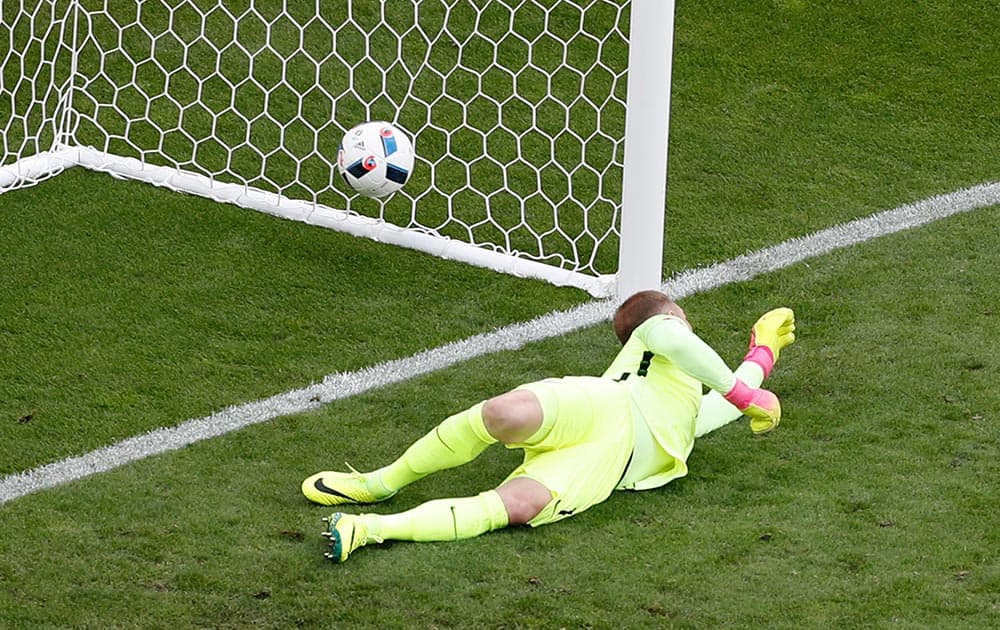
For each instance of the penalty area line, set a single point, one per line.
(338, 386)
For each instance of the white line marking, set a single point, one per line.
(343, 385)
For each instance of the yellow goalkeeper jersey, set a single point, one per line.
(664, 364)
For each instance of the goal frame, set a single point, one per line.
(644, 173)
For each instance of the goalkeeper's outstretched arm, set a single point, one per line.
(672, 338)
(770, 334)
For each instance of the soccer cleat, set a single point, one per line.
(346, 533)
(772, 332)
(337, 488)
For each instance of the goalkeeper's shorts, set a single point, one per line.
(583, 447)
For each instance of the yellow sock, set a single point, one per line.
(441, 519)
(457, 440)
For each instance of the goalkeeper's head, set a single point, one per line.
(640, 307)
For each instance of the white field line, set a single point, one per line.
(342, 385)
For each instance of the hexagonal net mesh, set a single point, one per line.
(516, 109)
(34, 74)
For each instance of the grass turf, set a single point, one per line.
(871, 506)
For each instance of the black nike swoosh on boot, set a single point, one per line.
(322, 487)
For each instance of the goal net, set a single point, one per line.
(517, 110)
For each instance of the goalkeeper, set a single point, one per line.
(583, 437)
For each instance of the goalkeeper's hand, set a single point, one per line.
(772, 332)
(760, 405)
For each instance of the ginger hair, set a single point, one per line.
(637, 309)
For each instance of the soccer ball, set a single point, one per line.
(375, 158)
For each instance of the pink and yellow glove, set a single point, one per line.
(772, 332)
(760, 405)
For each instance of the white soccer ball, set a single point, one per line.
(375, 158)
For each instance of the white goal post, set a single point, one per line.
(540, 126)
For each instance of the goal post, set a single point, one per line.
(536, 155)
(647, 122)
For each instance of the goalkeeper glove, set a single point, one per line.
(772, 332)
(760, 405)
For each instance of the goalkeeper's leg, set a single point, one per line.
(457, 440)
(770, 334)
(509, 418)
(515, 502)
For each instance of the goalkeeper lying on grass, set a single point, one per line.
(583, 437)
